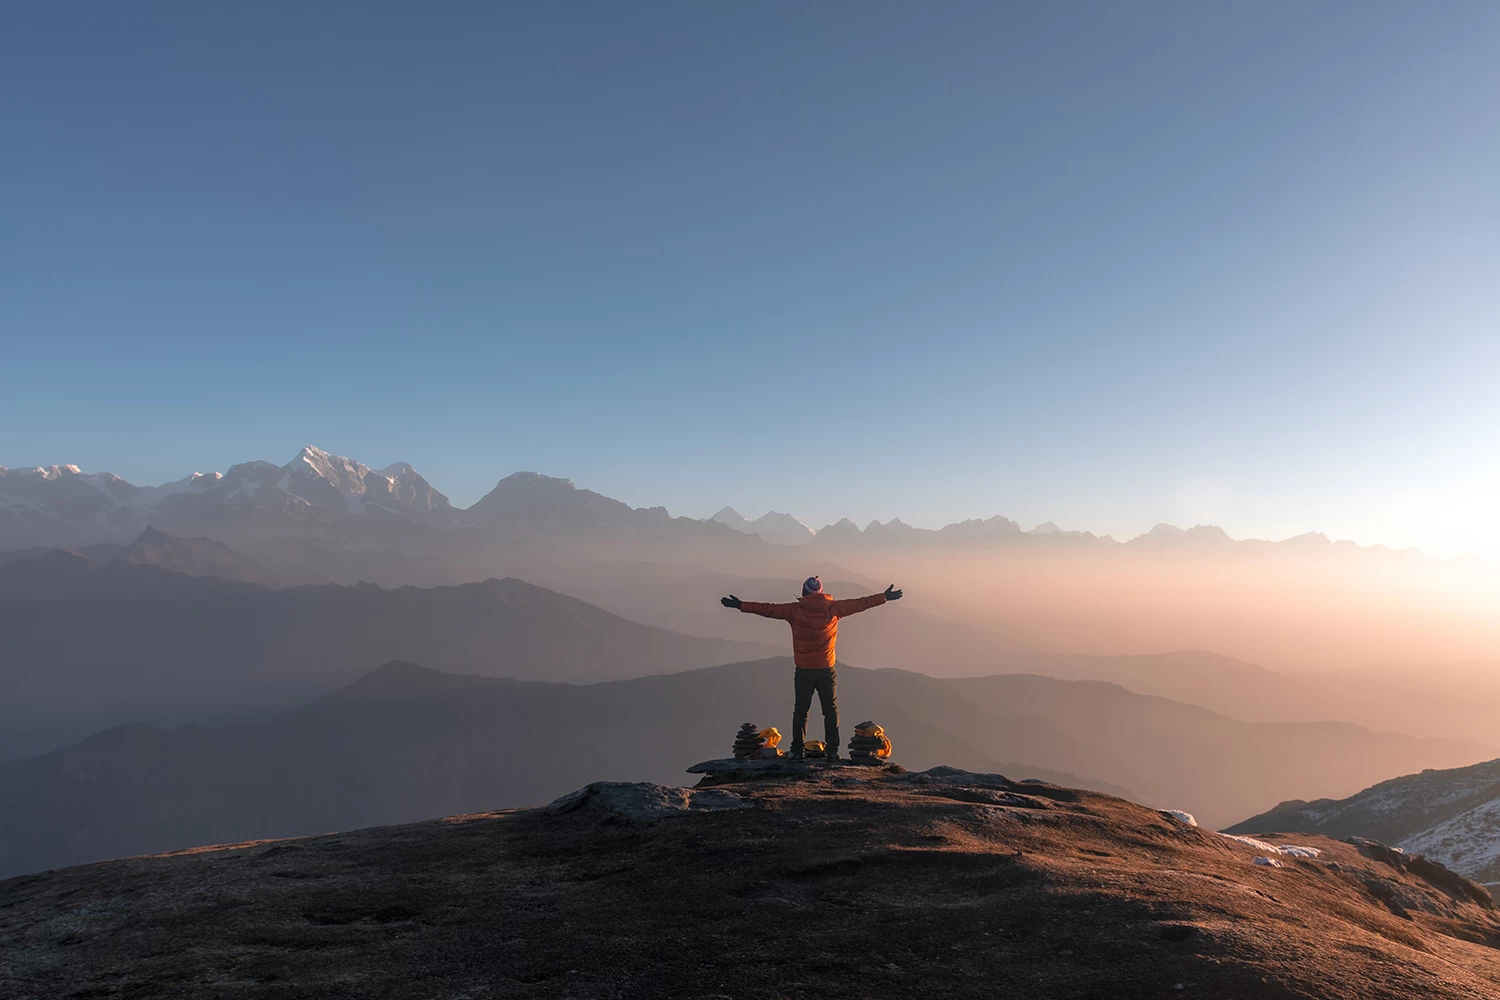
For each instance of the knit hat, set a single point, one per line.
(812, 585)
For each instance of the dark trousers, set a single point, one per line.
(823, 682)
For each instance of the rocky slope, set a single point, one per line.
(1450, 815)
(834, 885)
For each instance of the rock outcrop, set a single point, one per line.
(641, 802)
(820, 882)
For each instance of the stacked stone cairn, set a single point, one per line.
(748, 741)
(869, 745)
(815, 750)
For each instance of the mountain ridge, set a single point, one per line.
(1451, 815)
(61, 505)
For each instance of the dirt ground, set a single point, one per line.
(831, 885)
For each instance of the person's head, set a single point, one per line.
(812, 585)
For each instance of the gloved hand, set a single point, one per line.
(731, 601)
(892, 594)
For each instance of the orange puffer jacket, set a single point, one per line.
(815, 624)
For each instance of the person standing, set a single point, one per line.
(814, 619)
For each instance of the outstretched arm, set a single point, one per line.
(855, 605)
(779, 611)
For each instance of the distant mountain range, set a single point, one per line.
(1451, 816)
(62, 506)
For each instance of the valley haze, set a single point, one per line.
(1300, 604)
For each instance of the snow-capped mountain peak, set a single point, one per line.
(43, 472)
(344, 474)
(320, 479)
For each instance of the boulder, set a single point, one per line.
(637, 803)
(1434, 873)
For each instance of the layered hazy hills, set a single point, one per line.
(88, 647)
(88, 586)
(934, 635)
(684, 599)
(406, 742)
(34, 572)
(1304, 603)
(1451, 816)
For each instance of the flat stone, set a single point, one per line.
(641, 802)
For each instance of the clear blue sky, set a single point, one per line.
(1102, 263)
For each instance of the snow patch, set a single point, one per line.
(1468, 842)
(1300, 852)
(1270, 848)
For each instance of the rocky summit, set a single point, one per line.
(825, 883)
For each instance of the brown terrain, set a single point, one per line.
(835, 882)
